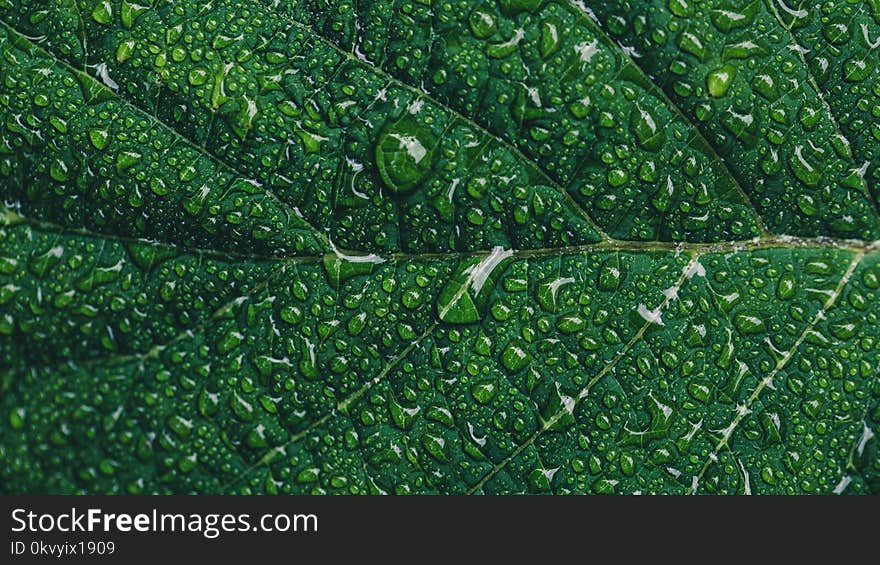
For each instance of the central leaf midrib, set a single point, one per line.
(610, 245)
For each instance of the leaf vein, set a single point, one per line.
(767, 381)
(585, 391)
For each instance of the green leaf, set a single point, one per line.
(425, 247)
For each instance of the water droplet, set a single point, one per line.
(484, 392)
(858, 69)
(807, 204)
(436, 447)
(691, 43)
(571, 324)
(548, 293)
(340, 266)
(649, 134)
(404, 154)
(812, 407)
(540, 479)
(124, 51)
(103, 12)
(617, 177)
(462, 299)
(99, 138)
(125, 160)
(99, 276)
(515, 356)
(59, 171)
(786, 287)
(550, 40)
(743, 125)
(819, 267)
(681, 8)
(837, 30)
(17, 418)
(309, 475)
(158, 186)
(765, 85)
(441, 415)
(749, 322)
(845, 329)
(771, 423)
(197, 76)
(700, 390)
(558, 413)
(719, 80)
(734, 15)
(743, 50)
(610, 274)
(130, 13)
(403, 417)
(482, 23)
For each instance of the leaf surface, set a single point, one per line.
(423, 247)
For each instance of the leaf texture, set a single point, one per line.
(472, 247)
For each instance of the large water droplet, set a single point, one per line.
(341, 266)
(749, 322)
(719, 80)
(515, 356)
(404, 154)
(482, 23)
(808, 173)
(130, 12)
(464, 297)
(646, 129)
(732, 16)
(610, 274)
(681, 8)
(103, 12)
